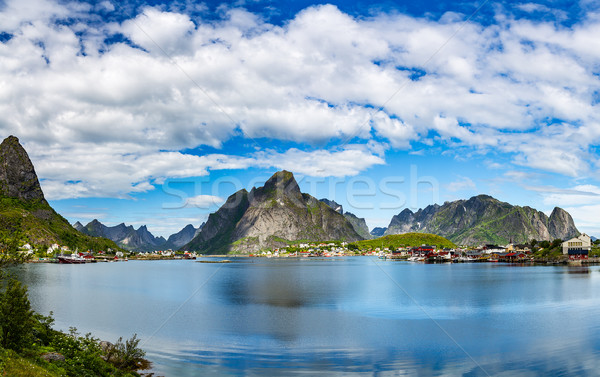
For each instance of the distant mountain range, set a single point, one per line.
(483, 219)
(138, 239)
(270, 216)
(25, 215)
(278, 214)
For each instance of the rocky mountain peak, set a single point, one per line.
(561, 224)
(268, 217)
(280, 184)
(17, 174)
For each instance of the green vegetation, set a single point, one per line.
(27, 338)
(36, 223)
(549, 250)
(404, 240)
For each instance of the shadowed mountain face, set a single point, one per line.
(270, 216)
(378, 232)
(483, 219)
(359, 224)
(25, 215)
(185, 235)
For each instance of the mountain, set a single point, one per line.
(78, 226)
(483, 219)
(25, 215)
(270, 216)
(359, 224)
(185, 235)
(333, 205)
(125, 236)
(378, 232)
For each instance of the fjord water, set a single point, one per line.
(346, 316)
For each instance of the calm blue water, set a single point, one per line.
(351, 316)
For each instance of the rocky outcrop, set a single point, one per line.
(270, 216)
(561, 225)
(17, 175)
(483, 219)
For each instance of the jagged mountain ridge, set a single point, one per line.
(138, 239)
(25, 215)
(359, 224)
(126, 236)
(484, 219)
(270, 216)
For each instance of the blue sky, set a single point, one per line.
(152, 113)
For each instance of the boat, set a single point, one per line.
(70, 259)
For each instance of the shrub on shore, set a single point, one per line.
(29, 346)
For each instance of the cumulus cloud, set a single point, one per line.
(111, 119)
(204, 201)
(462, 184)
(112, 171)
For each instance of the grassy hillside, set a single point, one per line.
(36, 223)
(405, 240)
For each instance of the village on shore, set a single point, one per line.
(577, 250)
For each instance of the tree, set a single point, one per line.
(9, 253)
(556, 243)
(16, 317)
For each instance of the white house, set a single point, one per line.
(577, 246)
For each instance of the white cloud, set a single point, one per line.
(113, 171)
(89, 111)
(561, 197)
(204, 201)
(463, 184)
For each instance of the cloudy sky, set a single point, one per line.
(154, 112)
